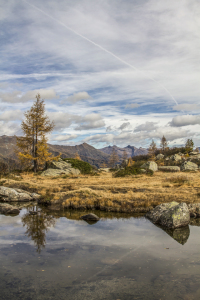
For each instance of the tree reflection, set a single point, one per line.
(37, 226)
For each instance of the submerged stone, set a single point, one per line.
(90, 217)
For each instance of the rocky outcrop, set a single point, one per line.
(160, 156)
(8, 209)
(170, 215)
(90, 217)
(11, 195)
(176, 157)
(150, 165)
(189, 166)
(169, 168)
(57, 168)
(194, 209)
(57, 172)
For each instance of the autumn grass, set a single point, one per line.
(136, 193)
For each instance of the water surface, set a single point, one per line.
(55, 255)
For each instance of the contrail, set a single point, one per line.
(105, 50)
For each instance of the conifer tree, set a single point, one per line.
(125, 155)
(77, 156)
(163, 143)
(152, 148)
(189, 145)
(32, 148)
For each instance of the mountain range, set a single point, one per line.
(88, 153)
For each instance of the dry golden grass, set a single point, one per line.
(134, 193)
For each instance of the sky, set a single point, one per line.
(110, 72)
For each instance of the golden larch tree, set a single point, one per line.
(32, 148)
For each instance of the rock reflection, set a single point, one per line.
(195, 222)
(37, 226)
(180, 235)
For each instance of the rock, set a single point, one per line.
(8, 194)
(33, 212)
(8, 209)
(143, 170)
(60, 165)
(169, 168)
(150, 165)
(160, 156)
(175, 217)
(176, 157)
(194, 153)
(105, 169)
(155, 214)
(190, 166)
(90, 217)
(194, 209)
(58, 172)
(167, 158)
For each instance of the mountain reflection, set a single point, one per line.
(37, 226)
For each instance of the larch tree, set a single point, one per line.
(163, 143)
(189, 145)
(152, 148)
(32, 148)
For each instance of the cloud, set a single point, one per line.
(11, 115)
(91, 121)
(77, 97)
(18, 96)
(185, 120)
(132, 105)
(124, 126)
(187, 107)
(64, 137)
(64, 120)
(148, 126)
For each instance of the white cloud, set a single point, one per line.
(148, 126)
(11, 115)
(187, 107)
(185, 120)
(90, 121)
(124, 126)
(18, 96)
(64, 137)
(77, 97)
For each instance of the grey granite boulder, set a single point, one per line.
(170, 215)
(60, 165)
(169, 168)
(150, 165)
(160, 156)
(175, 217)
(194, 209)
(155, 214)
(9, 195)
(90, 217)
(190, 166)
(58, 172)
(176, 157)
(8, 209)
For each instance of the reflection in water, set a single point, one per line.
(180, 235)
(37, 226)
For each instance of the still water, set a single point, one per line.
(55, 255)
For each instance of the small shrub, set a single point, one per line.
(127, 171)
(83, 166)
(181, 179)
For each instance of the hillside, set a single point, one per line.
(130, 150)
(86, 152)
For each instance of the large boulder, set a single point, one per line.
(57, 172)
(60, 165)
(175, 217)
(9, 195)
(90, 217)
(150, 165)
(188, 165)
(170, 215)
(8, 209)
(176, 157)
(169, 168)
(160, 156)
(155, 214)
